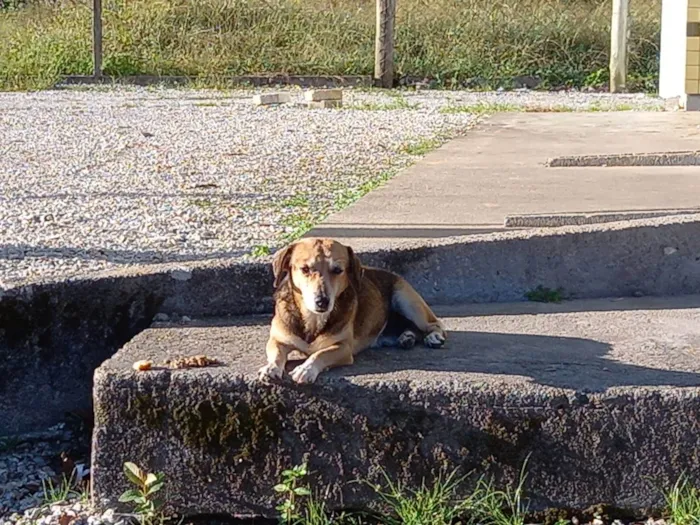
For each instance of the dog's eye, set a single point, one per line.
(337, 270)
(305, 270)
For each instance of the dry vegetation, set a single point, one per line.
(482, 43)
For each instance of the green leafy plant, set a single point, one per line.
(683, 502)
(260, 251)
(143, 497)
(542, 294)
(290, 511)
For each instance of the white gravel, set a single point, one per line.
(100, 178)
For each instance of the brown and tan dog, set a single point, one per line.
(329, 307)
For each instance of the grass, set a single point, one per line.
(64, 490)
(260, 251)
(455, 43)
(420, 147)
(492, 506)
(398, 102)
(683, 503)
(487, 108)
(434, 504)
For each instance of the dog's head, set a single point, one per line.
(321, 269)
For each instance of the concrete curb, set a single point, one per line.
(222, 437)
(678, 158)
(53, 335)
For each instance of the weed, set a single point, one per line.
(542, 294)
(398, 102)
(420, 147)
(298, 224)
(491, 506)
(683, 503)
(202, 203)
(290, 509)
(434, 505)
(480, 108)
(143, 497)
(298, 201)
(260, 251)
(61, 491)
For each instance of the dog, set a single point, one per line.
(330, 307)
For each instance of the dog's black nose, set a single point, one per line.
(322, 302)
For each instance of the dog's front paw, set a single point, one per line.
(270, 371)
(434, 339)
(305, 373)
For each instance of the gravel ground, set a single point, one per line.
(101, 178)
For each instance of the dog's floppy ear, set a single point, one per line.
(280, 264)
(355, 270)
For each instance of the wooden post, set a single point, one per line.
(97, 38)
(384, 46)
(619, 34)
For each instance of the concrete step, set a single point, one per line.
(604, 395)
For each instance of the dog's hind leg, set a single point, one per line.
(398, 331)
(406, 301)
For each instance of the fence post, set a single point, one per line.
(619, 33)
(97, 38)
(384, 46)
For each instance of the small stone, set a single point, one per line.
(186, 319)
(161, 318)
(108, 516)
(598, 521)
(317, 95)
(669, 250)
(271, 98)
(638, 293)
(574, 520)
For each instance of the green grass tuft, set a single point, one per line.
(683, 503)
(542, 294)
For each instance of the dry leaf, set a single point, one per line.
(196, 361)
(65, 519)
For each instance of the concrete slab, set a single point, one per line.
(471, 184)
(55, 333)
(604, 395)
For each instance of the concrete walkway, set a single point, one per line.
(472, 184)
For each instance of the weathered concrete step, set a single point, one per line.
(604, 395)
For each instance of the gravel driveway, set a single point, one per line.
(99, 178)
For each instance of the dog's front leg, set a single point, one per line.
(277, 354)
(338, 353)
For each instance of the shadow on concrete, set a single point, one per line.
(561, 362)
(409, 231)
